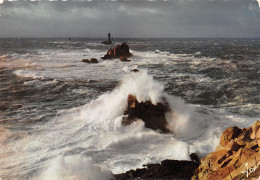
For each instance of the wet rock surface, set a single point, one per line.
(168, 169)
(152, 115)
(91, 61)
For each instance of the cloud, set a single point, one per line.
(178, 18)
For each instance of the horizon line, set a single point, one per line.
(70, 37)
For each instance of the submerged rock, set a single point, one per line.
(117, 52)
(236, 157)
(85, 61)
(134, 70)
(123, 59)
(92, 60)
(168, 169)
(152, 115)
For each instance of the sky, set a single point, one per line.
(130, 18)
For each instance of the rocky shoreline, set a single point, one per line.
(167, 169)
(236, 157)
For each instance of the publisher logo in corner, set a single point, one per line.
(249, 170)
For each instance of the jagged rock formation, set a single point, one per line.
(236, 157)
(152, 115)
(168, 169)
(120, 51)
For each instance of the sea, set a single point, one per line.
(61, 118)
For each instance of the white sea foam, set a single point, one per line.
(98, 127)
(28, 74)
(95, 130)
(76, 168)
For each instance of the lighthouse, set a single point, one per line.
(109, 38)
(109, 41)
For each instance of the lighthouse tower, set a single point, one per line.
(109, 38)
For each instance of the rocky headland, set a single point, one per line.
(236, 157)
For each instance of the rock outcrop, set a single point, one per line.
(152, 115)
(236, 157)
(134, 70)
(117, 52)
(85, 60)
(168, 169)
(92, 61)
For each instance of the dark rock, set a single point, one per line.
(85, 61)
(93, 60)
(106, 56)
(194, 157)
(117, 52)
(123, 59)
(134, 70)
(168, 169)
(152, 115)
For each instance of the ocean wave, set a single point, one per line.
(5, 56)
(28, 74)
(74, 167)
(98, 126)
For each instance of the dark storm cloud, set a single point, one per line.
(173, 18)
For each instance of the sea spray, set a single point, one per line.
(119, 147)
(74, 168)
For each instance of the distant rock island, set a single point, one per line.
(109, 41)
(120, 51)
